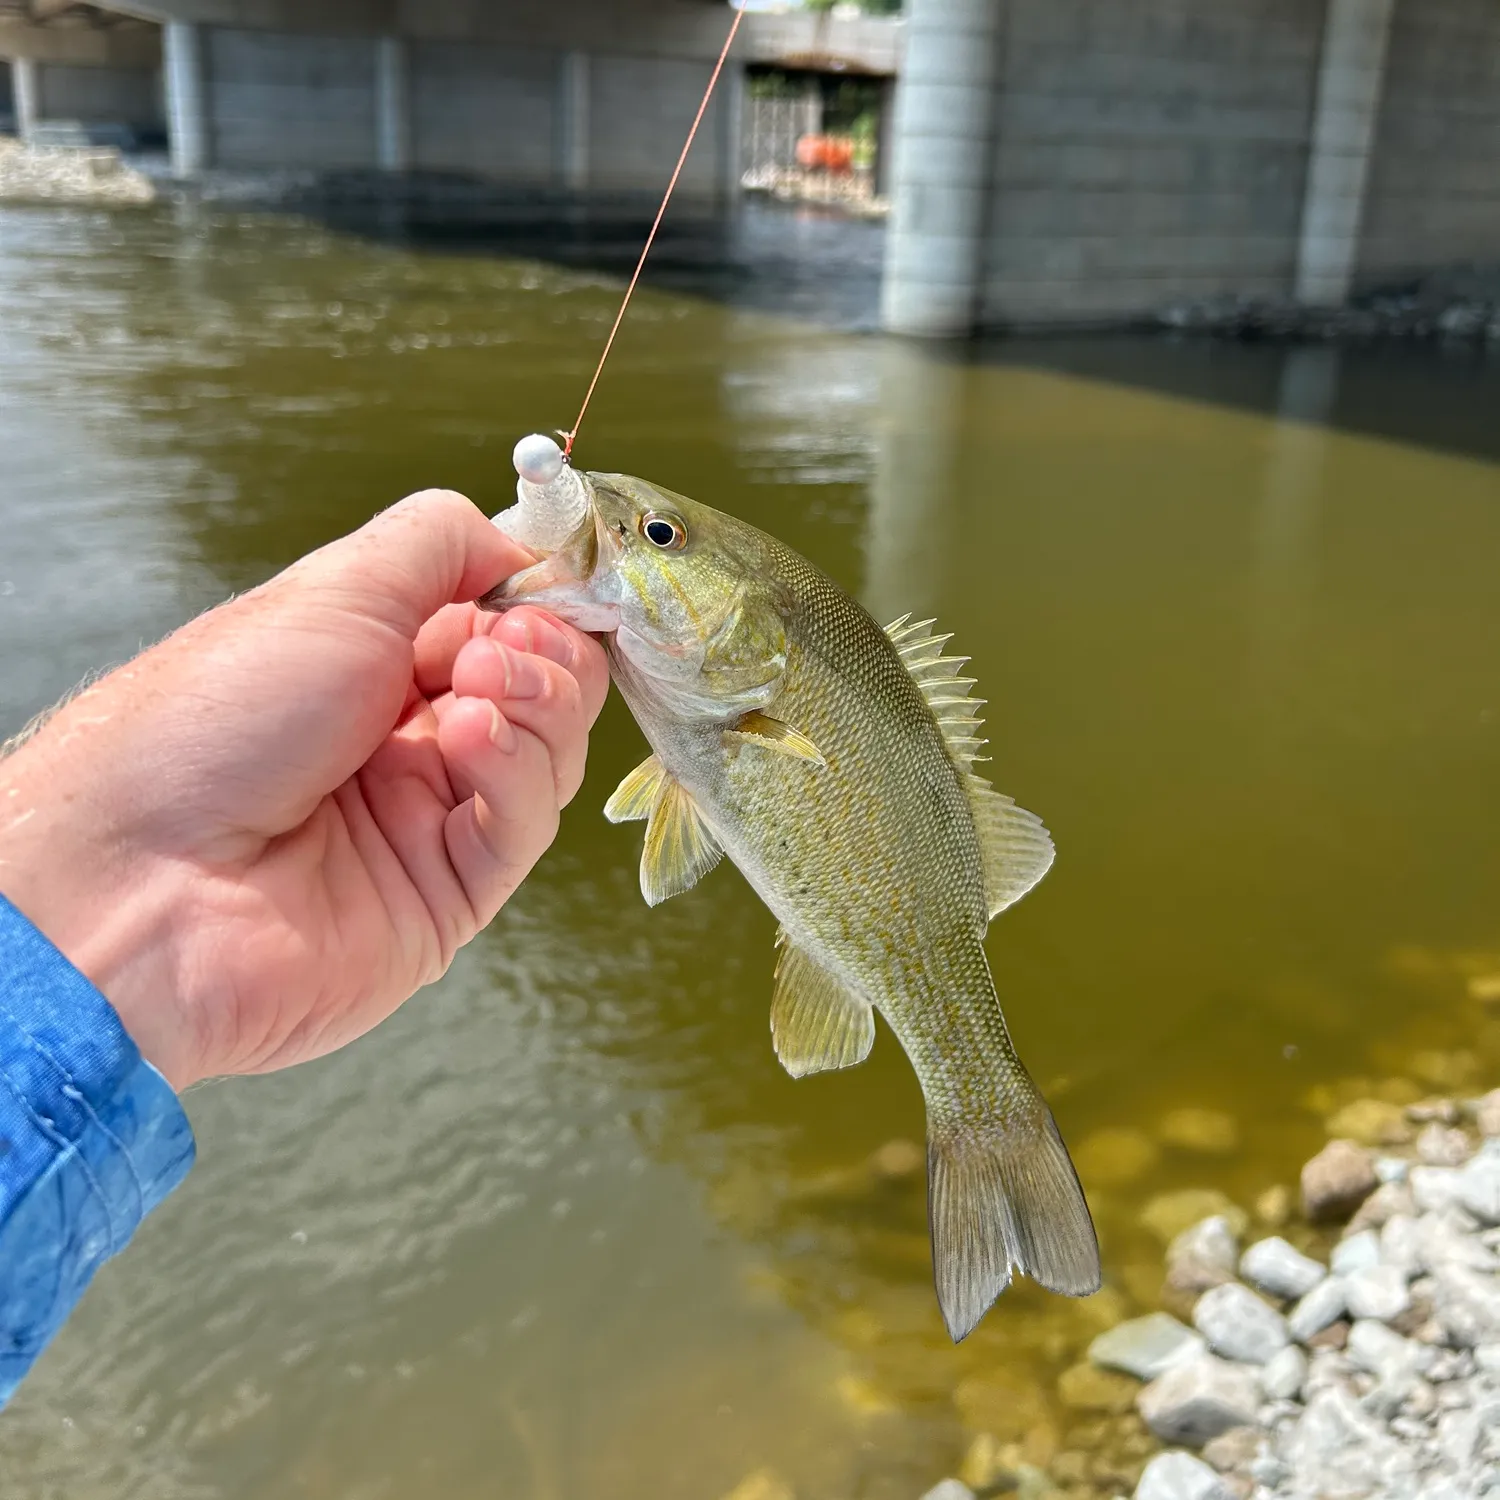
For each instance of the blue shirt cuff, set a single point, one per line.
(92, 1138)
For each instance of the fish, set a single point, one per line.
(833, 762)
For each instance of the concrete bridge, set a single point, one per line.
(1055, 161)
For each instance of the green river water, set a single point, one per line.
(563, 1229)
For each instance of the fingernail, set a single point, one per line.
(524, 677)
(547, 640)
(502, 731)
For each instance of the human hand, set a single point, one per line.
(261, 836)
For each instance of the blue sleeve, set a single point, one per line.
(92, 1138)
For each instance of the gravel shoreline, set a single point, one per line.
(1368, 1372)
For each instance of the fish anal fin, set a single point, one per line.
(680, 846)
(632, 799)
(817, 1022)
(1002, 1196)
(761, 729)
(1014, 845)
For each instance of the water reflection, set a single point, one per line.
(564, 1227)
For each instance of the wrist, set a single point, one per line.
(112, 915)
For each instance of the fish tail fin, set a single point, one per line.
(1002, 1195)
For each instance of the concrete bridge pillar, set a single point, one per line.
(945, 104)
(1351, 74)
(26, 89)
(392, 105)
(187, 97)
(573, 122)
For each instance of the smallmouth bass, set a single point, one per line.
(833, 762)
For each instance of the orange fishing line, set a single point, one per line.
(609, 343)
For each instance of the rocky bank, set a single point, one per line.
(1370, 1371)
(69, 174)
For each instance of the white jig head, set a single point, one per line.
(551, 498)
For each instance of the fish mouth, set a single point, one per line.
(570, 583)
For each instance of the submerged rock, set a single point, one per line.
(897, 1160)
(1279, 1268)
(949, 1489)
(1199, 1399)
(1115, 1156)
(1209, 1131)
(1238, 1325)
(1204, 1255)
(1088, 1388)
(1336, 1181)
(1168, 1214)
(1180, 1476)
(1371, 1122)
(763, 1484)
(1146, 1347)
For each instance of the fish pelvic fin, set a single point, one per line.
(1014, 845)
(680, 847)
(632, 800)
(817, 1022)
(1002, 1196)
(757, 728)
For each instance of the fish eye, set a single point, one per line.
(666, 532)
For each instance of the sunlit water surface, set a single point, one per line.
(563, 1228)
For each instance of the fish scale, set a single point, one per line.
(832, 761)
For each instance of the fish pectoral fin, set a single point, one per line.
(762, 729)
(1002, 1195)
(817, 1022)
(1014, 845)
(631, 801)
(680, 846)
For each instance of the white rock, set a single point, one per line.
(1434, 1188)
(1203, 1255)
(1199, 1399)
(1379, 1292)
(1339, 1452)
(1180, 1476)
(1279, 1268)
(1487, 1357)
(1358, 1253)
(1440, 1146)
(1401, 1244)
(1391, 1168)
(1468, 1304)
(1442, 1240)
(1282, 1375)
(1238, 1325)
(1146, 1347)
(949, 1489)
(1477, 1188)
(1382, 1351)
(1325, 1304)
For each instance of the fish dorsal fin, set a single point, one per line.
(761, 729)
(632, 799)
(680, 846)
(1014, 844)
(817, 1022)
(946, 692)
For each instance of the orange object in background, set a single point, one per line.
(834, 153)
